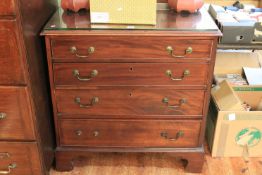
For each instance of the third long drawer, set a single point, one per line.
(130, 101)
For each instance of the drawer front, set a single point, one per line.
(127, 101)
(19, 158)
(15, 114)
(10, 57)
(128, 48)
(121, 133)
(103, 74)
(7, 7)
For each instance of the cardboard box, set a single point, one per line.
(232, 62)
(226, 98)
(123, 12)
(258, 32)
(235, 133)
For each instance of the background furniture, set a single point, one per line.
(26, 139)
(121, 90)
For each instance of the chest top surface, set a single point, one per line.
(167, 21)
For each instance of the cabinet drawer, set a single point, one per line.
(15, 114)
(10, 56)
(129, 133)
(130, 48)
(7, 7)
(19, 158)
(128, 101)
(103, 74)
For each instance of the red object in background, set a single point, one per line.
(186, 5)
(75, 5)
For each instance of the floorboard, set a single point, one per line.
(159, 164)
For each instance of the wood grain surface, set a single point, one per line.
(129, 133)
(25, 128)
(76, 105)
(10, 54)
(130, 101)
(7, 7)
(18, 122)
(119, 74)
(158, 164)
(127, 48)
(36, 73)
(24, 154)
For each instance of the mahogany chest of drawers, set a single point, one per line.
(26, 137)
(119, 88)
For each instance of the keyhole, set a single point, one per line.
(131, 68)
(239, 38)
(131, 93)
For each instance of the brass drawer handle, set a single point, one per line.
(93, 74)
(181, 102)
(93, 101)
(170, 75)
(74, 51)
(10, 167)
(165, 135)
(79, 132)
(170, 51)
(4, 155)
(2, 115)
(96, 133)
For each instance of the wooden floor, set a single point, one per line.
(159, 164)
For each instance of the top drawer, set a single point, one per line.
(130, 48)
(7, 7)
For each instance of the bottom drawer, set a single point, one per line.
(19, 158)
(129, 133)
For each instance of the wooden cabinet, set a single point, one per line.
(10, 55)
(26, 138)
(118, 90)
(129, 133)
(128, 48)
(131, 101)
(119, 74)
(7, 7)
(21, 158)
(16, 121)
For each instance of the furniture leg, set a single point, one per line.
(64, 162)
(194, 162)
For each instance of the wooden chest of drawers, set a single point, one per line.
(26, 137)
(131, 90)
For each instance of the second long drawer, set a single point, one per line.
(119, 74)
(130, 101)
